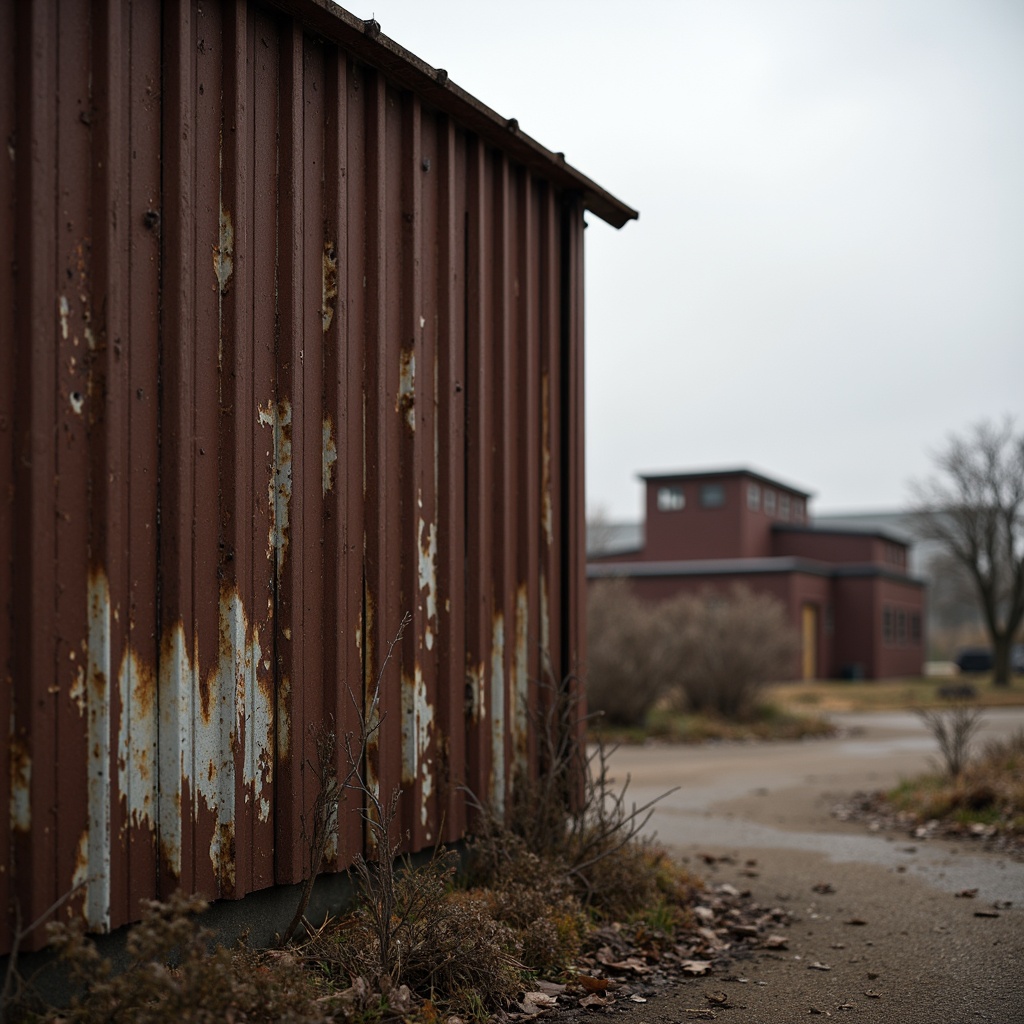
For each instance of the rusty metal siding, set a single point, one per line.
(292, 345)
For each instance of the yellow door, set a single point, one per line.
(810, 641)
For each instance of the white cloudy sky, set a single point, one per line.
(827, 276)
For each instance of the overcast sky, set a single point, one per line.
(827, 276)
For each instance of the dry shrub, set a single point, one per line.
(953, 731)
(724, 650)
(443, 944)
(627, 667)
(177, 974)
(988, 789)
(571, 830)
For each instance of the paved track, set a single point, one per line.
(932, 958)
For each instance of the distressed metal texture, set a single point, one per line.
(292, 346)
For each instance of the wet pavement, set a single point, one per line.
(881, 928)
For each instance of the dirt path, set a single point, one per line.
(922, 953)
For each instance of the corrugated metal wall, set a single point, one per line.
(288, 351)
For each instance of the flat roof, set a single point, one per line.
(704, 474)
(365, 40)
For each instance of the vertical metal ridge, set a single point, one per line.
(297, 353)
(33, 776)
(289, 572)
(8, 330)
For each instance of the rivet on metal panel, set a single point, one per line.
(330, 283)
(21, 779)
(428, 577)
(278, 416)
(224, 251)
(330, 455)
(97, 900)
(405, 404)
(498, 713)
(137, 739)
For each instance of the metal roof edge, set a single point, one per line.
(365, 40)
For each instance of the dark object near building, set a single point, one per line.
(974, 659)
(847, 592)
(297, 348)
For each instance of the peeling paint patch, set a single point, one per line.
(77, 402)
(63, 311)
(20, 768)
(224, 251)
(77, 691)
(406, 402)
(81, 873)
(178, 686)
(498, 714)
(330, 455)
(137, 740)
(278, 416)
(417, 726)
(330, 283)
(476, 693)
(428, 577)
(97, 894)
(521, 680)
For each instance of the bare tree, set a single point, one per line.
(975, 508)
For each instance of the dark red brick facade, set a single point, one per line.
(847, 593)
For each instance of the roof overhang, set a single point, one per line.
(365, 40)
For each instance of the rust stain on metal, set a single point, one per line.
(427, 573)
(80, 875)
(278, 416)
(20, 767)
(284, 719)
(330, 456)
(405, 404)
(330, 283)
(97, 897)
(137, 740)
(224, 251)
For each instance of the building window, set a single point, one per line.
(798, 509)
(901, 627)
(753, 497)
(712, 496)
(670, 499)
(769, 503)
(915, 629)
(783, 506)
(887, 625)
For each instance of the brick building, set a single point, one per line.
(848, 592)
